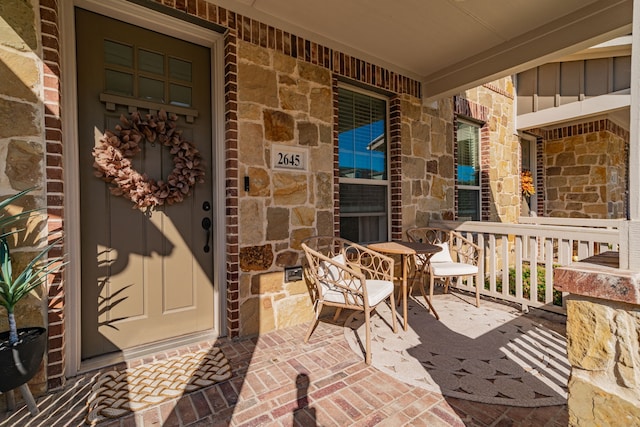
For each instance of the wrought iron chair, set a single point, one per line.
(344, 274)
(459, 258)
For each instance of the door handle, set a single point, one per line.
(206, 224)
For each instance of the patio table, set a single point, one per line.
(406, 250)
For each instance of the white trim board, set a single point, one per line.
(589, 107)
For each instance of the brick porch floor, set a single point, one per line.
(279, 381)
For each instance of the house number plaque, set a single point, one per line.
(288, 158)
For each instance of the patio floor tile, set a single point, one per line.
(280, 381)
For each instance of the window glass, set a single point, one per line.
(118, 82)
(468, 170)
(363, 198)
(118, 54)
(151, 62)
(525, 146)
(468, 205)
(145, 74)
(362, 136)
(151, 89)
(362, 154)
(180, 95)
(468, 139)
(179, 69)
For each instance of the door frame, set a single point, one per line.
(531, 140)
(212, 38)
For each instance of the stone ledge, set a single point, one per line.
(599, 277)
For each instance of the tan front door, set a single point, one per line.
(146, 276)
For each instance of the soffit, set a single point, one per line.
(449, 45)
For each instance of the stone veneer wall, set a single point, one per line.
(586, 170)
(603, 342)
(603, 350)
(256, 117)
(500, 150)
(289, 102)
(29, 157)
(427, 161)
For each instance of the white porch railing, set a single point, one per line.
(519, 258)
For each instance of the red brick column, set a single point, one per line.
(395, 163)
(231, 183)
(54, 187)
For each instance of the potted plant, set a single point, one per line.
(21, 349)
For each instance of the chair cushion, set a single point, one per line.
(444, 255)
(453, 269)
(330, 269)
(332, 272)
(377, 291)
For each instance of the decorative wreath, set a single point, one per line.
(114, 152)
(526, 184)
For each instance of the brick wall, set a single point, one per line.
(55, 186)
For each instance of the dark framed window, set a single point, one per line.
(468, 170)
(363, 166)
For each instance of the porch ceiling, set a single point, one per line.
(449, 45)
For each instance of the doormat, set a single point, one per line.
(485, 354)
(121, 392)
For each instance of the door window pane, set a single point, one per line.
(151, 62)
(179, 69)
(180, 95)
(118, 54)
(118, 82)
(151, 89)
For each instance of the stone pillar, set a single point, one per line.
(603, 341)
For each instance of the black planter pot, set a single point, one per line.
(29, 351)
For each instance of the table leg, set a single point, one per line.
(422, 275)
(404, 290)
(428, 300)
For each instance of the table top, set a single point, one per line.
(404, 248)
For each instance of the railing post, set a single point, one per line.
(548, 276)
(518, 266)
(623, 251)
(533, 268)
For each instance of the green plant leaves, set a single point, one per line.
(16, 285)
